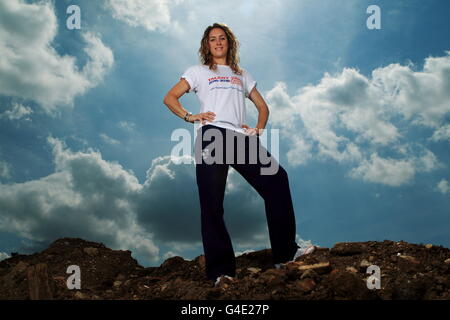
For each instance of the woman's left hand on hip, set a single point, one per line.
(252, 131)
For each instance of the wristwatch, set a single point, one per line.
(187, 116)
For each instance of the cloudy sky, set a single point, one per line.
(85, 140)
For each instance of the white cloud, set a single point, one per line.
(170, 254)
(282, 107)
(17, 112)
(391, 172)
(307, 119)
(427, 162)
(240, 253)
(98, 200)
(420, 96)
(109, 140)
(5, 170)
(300, 151)
(441, 134)
(443, 186)
(350, 118)
(346, 101)
(85, 197)
(101, 59)
(166, 179)
(394, 172)
(3, 256)
(26, 35)
(303, 243)
(152, 15)
(127, 126)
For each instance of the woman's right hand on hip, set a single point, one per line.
(202, 117)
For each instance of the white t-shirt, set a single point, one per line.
(222, 92)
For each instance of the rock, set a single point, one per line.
(80, 296)
(19, 268)
(141, 288)
(334, 271)
(120, 277)
(413, 289)
(117, 283)
(351, 269)
(309, 274)
(273, 277)
(91, 251)
(416, 273)
(254, 270)
(16, 273)
(39, 286)
(429, 246)
(201, 261)
(409, 258)
(364, 264)
(294, 265)
(306, 285)
(173, 263)
(60, 281)
(348, 248)
(349, 286)
(320, 268)
(409, 264)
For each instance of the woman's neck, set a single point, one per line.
(221, 61)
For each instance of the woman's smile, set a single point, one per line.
(218, 43)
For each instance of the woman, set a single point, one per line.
(222, 86)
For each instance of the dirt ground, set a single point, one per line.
(407, 272)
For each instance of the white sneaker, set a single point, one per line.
(220, 278)
(300, 252)
(303, 251)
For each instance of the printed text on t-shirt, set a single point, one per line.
(232, 80)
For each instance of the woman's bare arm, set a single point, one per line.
(171, 100)
(263, 110)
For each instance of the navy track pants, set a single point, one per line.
(211, 182)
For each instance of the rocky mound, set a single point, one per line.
(408, 271)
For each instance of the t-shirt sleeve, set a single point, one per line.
(191, 76)
(250, 83)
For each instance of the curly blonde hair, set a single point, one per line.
(206, 57)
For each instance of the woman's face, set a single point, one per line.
(218, 43)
